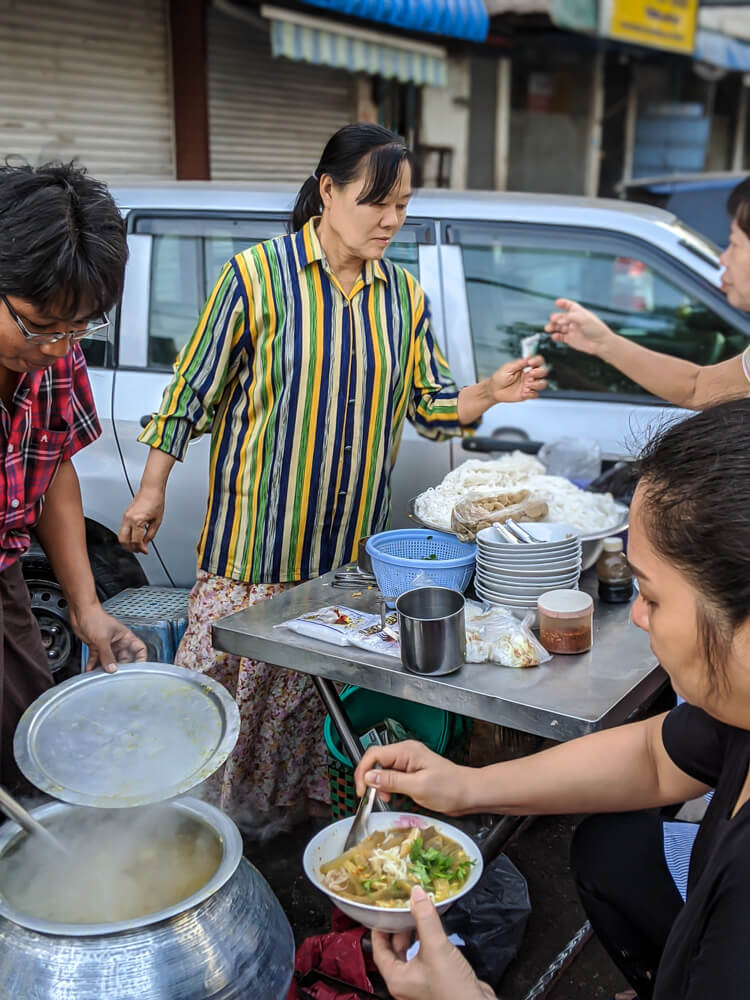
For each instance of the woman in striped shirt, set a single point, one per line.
(309, 354)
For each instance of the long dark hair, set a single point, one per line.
(695, 482)
(62, 238)
(344, 159)
(738, 205)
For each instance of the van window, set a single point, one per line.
(512, 282)
(97, 349)
(407, 255)
(187, 256)
(186, 259)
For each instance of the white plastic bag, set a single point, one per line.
(334, 624)
(494, 634)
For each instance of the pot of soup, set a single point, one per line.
(150, 903)
(148, 896)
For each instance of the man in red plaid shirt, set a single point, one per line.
(62, 257)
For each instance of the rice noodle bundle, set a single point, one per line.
(587, 512)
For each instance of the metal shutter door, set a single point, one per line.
(269, 118)
(87, 79)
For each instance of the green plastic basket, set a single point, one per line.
(432, 726)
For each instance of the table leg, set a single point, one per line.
(500, 835)
(349, 739)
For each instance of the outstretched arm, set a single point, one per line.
(62, 532)
(619, 769)
(680, 382)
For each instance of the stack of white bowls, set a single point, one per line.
(515, 576)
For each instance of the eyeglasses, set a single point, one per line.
(100, 323)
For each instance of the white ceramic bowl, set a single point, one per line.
(521, 573)
(521, 593)
(519, 611)
(528, 553)
(499, 575)
(329, 843)
(524, 576)
(548, 536)
(513, 603)
(508, 583)
(509, 601)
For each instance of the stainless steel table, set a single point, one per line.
(562, 699)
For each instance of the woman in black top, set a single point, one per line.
(689, 547)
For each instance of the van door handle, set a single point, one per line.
(490, 444)
(146, 419)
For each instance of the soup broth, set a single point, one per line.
(121, 865)
(383, 868)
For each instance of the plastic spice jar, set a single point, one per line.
(566, 619)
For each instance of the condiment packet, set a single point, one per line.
(377, 639)
(335, 624)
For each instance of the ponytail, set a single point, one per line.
(352, 151)
(308, 203)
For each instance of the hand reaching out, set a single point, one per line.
(577, 327)
(519, 380)
(109, 641)
(141, 520)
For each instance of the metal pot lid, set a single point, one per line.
(144, 734)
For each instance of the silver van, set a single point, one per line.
(492, 265)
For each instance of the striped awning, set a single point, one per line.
(314, 40)
(722, 51)
(455, 18)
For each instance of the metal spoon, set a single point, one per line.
(518, 531)
(505, 533)
(16, 812)
(358, 829)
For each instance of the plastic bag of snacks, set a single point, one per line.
(473, 513)
(378, 639)
(336, 624)
(494, 634)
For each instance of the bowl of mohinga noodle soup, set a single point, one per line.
(372, 882)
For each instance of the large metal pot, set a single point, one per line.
(228, 941)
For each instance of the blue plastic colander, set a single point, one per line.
(398, 557)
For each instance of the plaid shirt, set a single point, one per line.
(51, 418)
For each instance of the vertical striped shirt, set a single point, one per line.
(304, 390)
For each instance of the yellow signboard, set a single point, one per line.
(661, 24)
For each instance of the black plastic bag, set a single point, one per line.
(492, 919)
(621, 481)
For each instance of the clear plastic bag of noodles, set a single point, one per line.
(475, 512)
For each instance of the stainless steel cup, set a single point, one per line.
(433, 630)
